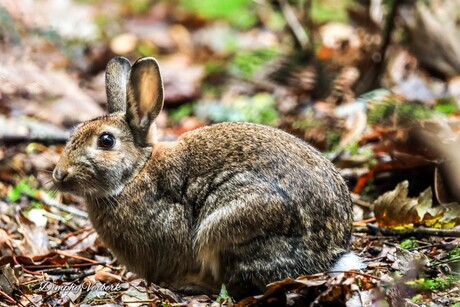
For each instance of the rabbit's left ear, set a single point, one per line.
(116, 77)
(144, 98)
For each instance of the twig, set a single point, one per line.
(76, 257)
(44, 267)
(25, 270)
(146, 302)
(309, 21)
(81, 239)
(42, 196)
(82, 258)
(26, 129)
(356, 273)
(297, 29)
(456, 259)
(363, 222)
(9, 298)
(387, 32)
(431, 246)
(76, 232)
(18, 139)
(420, 231)
(363, 203)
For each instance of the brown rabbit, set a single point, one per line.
(234, 203)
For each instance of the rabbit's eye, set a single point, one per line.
(106, 141)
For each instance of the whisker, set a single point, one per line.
(47, 182)
(42, 155)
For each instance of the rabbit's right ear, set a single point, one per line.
(144, 98)
(116, 79)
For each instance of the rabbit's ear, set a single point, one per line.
(116, 78)
(145, 98)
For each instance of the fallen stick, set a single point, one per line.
(420, 231)
(48, 200)
(24, 129)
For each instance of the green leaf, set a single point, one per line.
(447, 105)
(259, 108)
(23, 187)
(329, 10)
(181, 112)
(246, 63)
(238, 12)
(409, 243)
(224, 296)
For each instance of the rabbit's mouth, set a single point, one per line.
(66, 186)
(66, 182)
(83, 187)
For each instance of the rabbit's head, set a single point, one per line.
(104, 153)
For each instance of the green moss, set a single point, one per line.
(8, 29)
(417, 298)
(306, 123)
(409, 243)
(259, 108)
(396, 112)
(454, 253)
(25, 186)
(138, 6)
(332, 139)
(329, 10)
(181, 111)
(447, 105)
(246, 63)
(240, 13)
(437, 283)
(224, 296)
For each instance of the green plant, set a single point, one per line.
(437, 283)
(454, 253)
(411, 111)
(417, 298)
(328, 10)
(181, 111)
(137, 6)
(8, 29)
(392, 111)
(259, 108)
(246, 63)
(240, 13)
(25, 186)
(166, 304)
(224, 296)
(446, 105)
(409, 243)
(332, 138)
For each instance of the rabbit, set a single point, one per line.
(236, 203)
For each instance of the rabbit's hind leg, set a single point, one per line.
(268, 259)
(249, 212)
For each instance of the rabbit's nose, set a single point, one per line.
(59, 174)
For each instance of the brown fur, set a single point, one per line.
(235, 203)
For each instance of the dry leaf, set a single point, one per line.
(395, 210)
(107, 277)
(35, 240)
